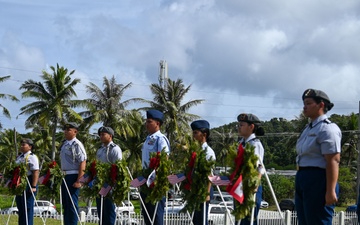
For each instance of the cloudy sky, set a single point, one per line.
(240, 56)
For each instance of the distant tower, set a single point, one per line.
(163, 73)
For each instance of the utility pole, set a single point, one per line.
(163, 74)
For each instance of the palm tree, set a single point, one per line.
(169, 101)
(131, 144)
(5, 96)
(224, 141)
(105, 106)
(53, 105)
(8, 147)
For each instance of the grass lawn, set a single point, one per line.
(37, 220)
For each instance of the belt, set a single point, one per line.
(68, 172)
(310, 168)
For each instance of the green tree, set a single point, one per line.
(223, 142)
(105, 106)
(5, 111)
(169, 100)
(53, 103)
(347, 183)
(284, 187)
(9, 140)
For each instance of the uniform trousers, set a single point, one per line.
(109, 215)
(310, 190)
(25, 205)
(70, 212)
(198, 218)
(159, 217)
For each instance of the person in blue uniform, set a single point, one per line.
(201, 133)
(26, 210)
(249, 128)
(318, 157)
(109, 152)
(155, 142)
(73, 163)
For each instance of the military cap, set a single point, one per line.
(108, 130)
(249, 118)
(200, 124)
(317, 94)
(71, 125)
(155, 114)
(27, 141)
(312, 93)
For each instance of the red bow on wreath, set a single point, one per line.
(92, 170)
(239, 160)
(48, 174)
(15, 181)
(191, 165)
(154, 164)
(113, 173)
(155, 161)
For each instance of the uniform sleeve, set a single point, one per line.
(163, 143)
(329, 139)
(33, 162)
(116, 154)
(80, 153)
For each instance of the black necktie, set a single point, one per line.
(243, 143)
(310, 125)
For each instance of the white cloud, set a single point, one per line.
(254, 56)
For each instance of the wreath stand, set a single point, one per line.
(41, 216)
(72, 202)
(187, 212)
(142, 201)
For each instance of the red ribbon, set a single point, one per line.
(191, 164)
(15, 181)
(92, 170)
(48, 175)
(155, 161)
(239, 160)
(113, 173)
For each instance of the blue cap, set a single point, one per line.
(155, 114)
(200, 124)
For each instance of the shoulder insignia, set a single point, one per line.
(112, 144)
(327, 121)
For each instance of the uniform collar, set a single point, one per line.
(155, 134)
(111, 142)
(204, 145)
(70, 142)
(252, 136)
(318, 120)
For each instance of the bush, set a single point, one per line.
(284, 187)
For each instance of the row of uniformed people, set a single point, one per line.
(318, 149)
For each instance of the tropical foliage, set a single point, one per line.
(5, 111)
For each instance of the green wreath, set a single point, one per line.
(52, 178)
(116, 175)
(16, 175)
(195, 187)
(158, 189)
(92, 186)
(250, 180)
